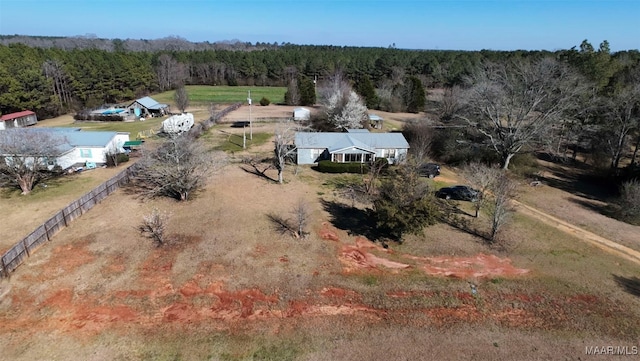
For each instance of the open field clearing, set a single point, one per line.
(204, 94)
(229, 287)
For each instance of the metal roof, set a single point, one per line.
(349, 142)
(150, 103)
(12, 116)
(73, 137)
(360, 140)
(90, 139)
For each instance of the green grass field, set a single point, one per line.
(132, 127)
(204, 94)
(234, 141)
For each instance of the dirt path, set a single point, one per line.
(590, 237)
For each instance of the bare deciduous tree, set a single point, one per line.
(301, 214)
(502, 190)
(483, 178)
(181, 97)
(177, 168)
(170, 72)
(452, 102)
(371, 179)
(420, 137)
(284, 146)
(621, 116)
(496, 189)
(153, 226)
(294, 226)
(28, 156)
(513, 104)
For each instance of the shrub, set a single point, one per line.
(99, 117)
(524, 164)
(327, 166)
(629, 201)
(264, 101)
(114, 159)
(153, 226)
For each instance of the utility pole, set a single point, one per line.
(315, 94)
(250, 123)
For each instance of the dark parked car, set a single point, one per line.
(429, 170)
(460, 193)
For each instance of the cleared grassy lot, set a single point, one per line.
(203, 94)
(229, 287)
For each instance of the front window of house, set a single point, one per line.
(85, 153)
(316, 153)
(388, 153)
(353, 158)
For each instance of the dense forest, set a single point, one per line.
(600, 107)
(57, 75)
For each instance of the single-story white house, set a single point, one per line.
(18, 120)
(352, 146)
(78, 148)
(90, 147)
(301, 113)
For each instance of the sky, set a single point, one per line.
(409, 24)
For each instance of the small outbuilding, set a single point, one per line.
(375, 121)
(18, 120)
(147, 107)
(301, 113)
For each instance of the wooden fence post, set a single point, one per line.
(24, 244)
(64, 217)
(46, 231)
(3, 268)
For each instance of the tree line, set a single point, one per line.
(57, 75)
(583, 99)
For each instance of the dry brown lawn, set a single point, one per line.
(229, 287)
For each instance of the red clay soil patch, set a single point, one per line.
(340, 293)
(361, 257)
(479, 266)
(94, 319)
(115, 265)
(59, 298)
(326, 232)
(71, 256)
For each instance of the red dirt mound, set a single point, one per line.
(361, 257)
